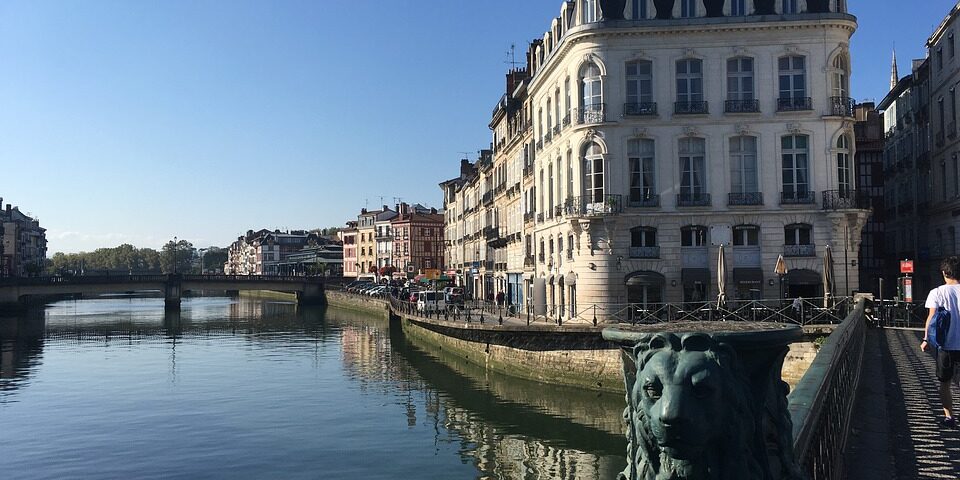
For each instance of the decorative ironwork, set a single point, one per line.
(746, 198)
(594, 113)
(845, 200)
(797, 197)
(644, 252)
(693, 199)
(799, 250)
(595, 206)
(639, 109)
(794, 104)
(690, 108)
(842, 106)
(566, 120)
(741, 106)
(649, 200)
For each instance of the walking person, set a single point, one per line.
(946, 296)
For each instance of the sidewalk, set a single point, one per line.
(894, 433)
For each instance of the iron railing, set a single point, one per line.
(821, 405)
(693, 199)
(644, 252)
(842, 106)
(799, 250)
(748, 198)
(649, 200)
(794, 104)
(134, 279)
(594, 113)
(690, 108)
(798, 197)
(640, 109)
(741, 106)
(845, 200)
(595, 206)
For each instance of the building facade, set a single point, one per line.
(266, 252)
(369, 258)
(869, 135)
(653, 136)
(23, 243)
(418, 240)
(351, 263)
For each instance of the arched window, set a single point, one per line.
(569, 175)
(570, 247)
(591, 88)
(844, 173)
(549, 115)
(593, 191)
(740, 88)
(639, 89)
(568, 100)
(792, 71)
(690, 87)
(550, 202)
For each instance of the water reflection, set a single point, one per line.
(499, 426)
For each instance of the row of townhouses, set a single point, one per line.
(296, 252)
(23, 243)
(641, 136)
(400, 242)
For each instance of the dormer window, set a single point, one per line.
(790, 6)
(738, 8)
(588, 13)
(688, 8)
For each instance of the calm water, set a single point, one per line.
(111, 388)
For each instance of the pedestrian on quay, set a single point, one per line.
(946, 296)
(500, 298)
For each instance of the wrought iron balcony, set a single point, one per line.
(491, 233)
(842, 106)
(540, 217)
(797, 198)
(529, 261)
(594, 113)
(741, 106)
(566, 120)
(644, 201)
(556, 129)
(558, 211)
(528, 217)
(644, 252)
(539, 144)
(799, 250)
(794, 104)
(595, 206)
(845, 200)
(690, 108)
(488, 198)
(639, 109)
(548, 137)
(693, 199)
(528, 170)
(746, 198)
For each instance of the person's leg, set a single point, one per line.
(946, 398)
(945, 364)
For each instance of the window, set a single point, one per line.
(844, 175)
(939, 58)
(740, 79)
(693, 236)
(793, 87)
(639, 9)
(738, 8)
(643, 237)
(743, 165)
(566, 89)
(592, 98)
(639, 88)
(840, 78)
(692, 168)
(589, 12)
(688, 8)
(689, 80)
(569, 174)
(797, 234)
(593, 174)
(570, 247)
(640, 155)
(746, 236)
(796, 180)
(790, 6)
(549, 116)
(550, 202)
(951, 47)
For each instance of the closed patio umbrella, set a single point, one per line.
(827, 277)
(721, 279)
(781, 270)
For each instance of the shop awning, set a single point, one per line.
(803, 277)
(645, 278)
(753, 276)
(571, 278)
(694, 275)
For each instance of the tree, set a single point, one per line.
(177, 257)
(214, 258)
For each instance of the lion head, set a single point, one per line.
(689, 411)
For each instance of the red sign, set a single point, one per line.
(906, 266)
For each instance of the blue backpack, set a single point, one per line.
(939, 326)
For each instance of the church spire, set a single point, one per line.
(894, 77)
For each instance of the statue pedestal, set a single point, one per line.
(705, 400)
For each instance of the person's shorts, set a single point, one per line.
(947, 362)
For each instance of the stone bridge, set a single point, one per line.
(14, 292)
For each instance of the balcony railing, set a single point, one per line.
(644, 252)
(745, 198)
(842, 106)
(690, 108)
(558, 211)
(797, 198)
(845, 200)
(540, 217)
(539, 144)
(548, 137)
(644, 201)
(594, 113)
(799, 250)
(488, 198)
(529, 261)
(639, 109)
(595, 206)
(741, 106)
(566, 120)
(556, 129)
(541, 257)
(794, 104)
(528, 217)
(693, 199)
(528, 170)
(491, 233)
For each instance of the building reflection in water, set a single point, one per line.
(21, 352)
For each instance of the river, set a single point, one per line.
(254, 388)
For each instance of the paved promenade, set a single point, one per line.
(895, 433)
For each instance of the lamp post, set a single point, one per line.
(174, 255)
(201, 250)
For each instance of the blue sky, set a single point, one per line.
(137, 121)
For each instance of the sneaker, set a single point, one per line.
(948, 422)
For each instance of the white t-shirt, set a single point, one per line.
(948, 297)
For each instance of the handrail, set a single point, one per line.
(821, 406)
(153, 278)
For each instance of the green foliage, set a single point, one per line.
(177, 257)
(124, 258)
(214, 258)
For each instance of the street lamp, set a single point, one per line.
(174, 255)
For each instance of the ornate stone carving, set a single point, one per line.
(793, 127)
(612, 9)
(691, 131)
(741, 128)
(689, 52)
(641, 132)
(702, 405)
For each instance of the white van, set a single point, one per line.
(431, 301)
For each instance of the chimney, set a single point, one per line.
(385, 208)
(8, 208)
(466, 168)
(433, 211)
(363, 211)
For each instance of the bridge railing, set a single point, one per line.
(821, 406)
(153, 278)
(253, 278)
